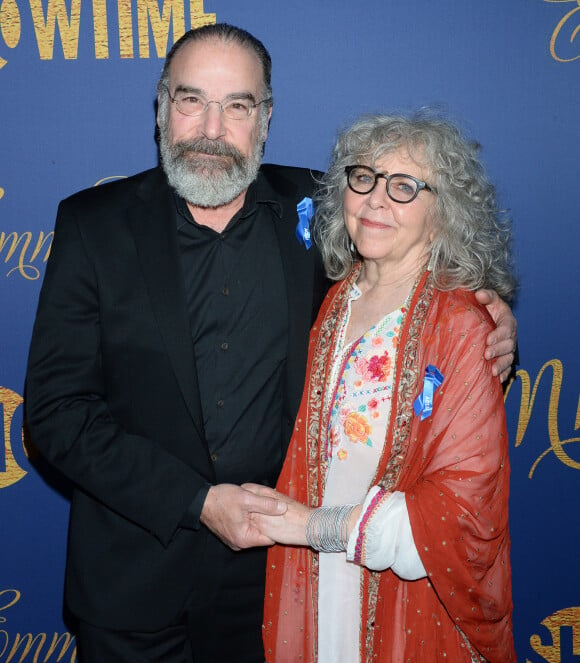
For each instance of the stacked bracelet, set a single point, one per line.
(327, 527)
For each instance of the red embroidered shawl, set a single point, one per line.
(454, 470)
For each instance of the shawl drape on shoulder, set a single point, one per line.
(454, 470)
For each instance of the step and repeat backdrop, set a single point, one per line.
(77, 108)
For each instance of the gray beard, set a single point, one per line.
(206, 181)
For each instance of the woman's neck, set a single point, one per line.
(376, 277)
(382, 292)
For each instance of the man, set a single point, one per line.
(167, 364)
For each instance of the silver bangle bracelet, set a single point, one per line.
(327, 527)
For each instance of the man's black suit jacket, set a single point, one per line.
(112, 395)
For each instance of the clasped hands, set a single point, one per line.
(254, 515)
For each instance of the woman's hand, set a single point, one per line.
(227, 512)
(288, 528)
(502, 341)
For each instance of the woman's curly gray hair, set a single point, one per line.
(471, 247)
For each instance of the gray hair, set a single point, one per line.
(225, 33)
(471, 247)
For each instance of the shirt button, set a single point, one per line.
(224, 346)
(214, 457)
(220, 403)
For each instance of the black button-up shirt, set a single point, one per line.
(237, 306)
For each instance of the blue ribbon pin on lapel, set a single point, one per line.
(305, 210)
(423, 404)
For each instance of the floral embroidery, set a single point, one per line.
(360, 411)
(357, 428)
(375, 369)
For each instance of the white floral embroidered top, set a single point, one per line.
(360, 411)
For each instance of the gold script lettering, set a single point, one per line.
(56, 13)
(111, 178)
(12, 596)
(13, 241)
(567, 617)
(12, 472)
(528, 398)
(27, 640)
(564, 22)
(23, 644)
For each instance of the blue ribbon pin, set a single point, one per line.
(423, 404)
(305, 210)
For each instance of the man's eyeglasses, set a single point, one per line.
(234, 107)
(401, 188)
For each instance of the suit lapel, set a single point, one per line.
(151, 221)
(298, 265)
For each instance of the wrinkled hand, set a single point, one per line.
(227, 512)
(502, 341)
(290, 527)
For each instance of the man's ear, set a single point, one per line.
(157, 114)
(268, 124)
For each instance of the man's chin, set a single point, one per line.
(212, 201)
(206, 187)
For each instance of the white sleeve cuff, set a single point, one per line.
(382, 537)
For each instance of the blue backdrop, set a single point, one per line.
(77, 92)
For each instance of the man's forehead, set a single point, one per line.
(218, 58)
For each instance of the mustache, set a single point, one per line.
(201, 146)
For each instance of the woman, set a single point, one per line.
(397, 473)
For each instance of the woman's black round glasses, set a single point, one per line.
(401, 188)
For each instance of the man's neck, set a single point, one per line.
(217, 218)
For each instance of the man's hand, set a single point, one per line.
(227, 510)
(503, 340)
(290, 528)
